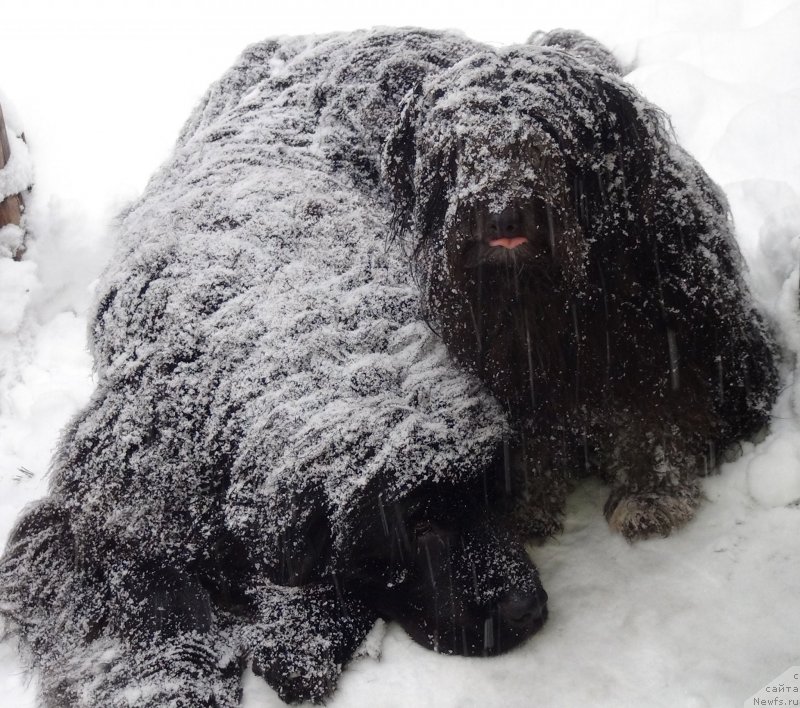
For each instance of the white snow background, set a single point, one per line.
(703, 618)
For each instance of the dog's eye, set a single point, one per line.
(434, 534)
(423, 527)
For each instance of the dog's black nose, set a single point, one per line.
(524, 611)
(507, 223)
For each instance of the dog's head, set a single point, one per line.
(437, 562)
(448, 573)
(523, 157)
(529, 183)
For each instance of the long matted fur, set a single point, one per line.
(276, 428)
(620, 336)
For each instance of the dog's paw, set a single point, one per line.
(535, 523)
(294, 680)
(644, 514)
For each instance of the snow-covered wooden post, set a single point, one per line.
(11, 206)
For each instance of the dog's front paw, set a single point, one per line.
(640, 515)
(534, 523)
(303, 636)
(295, 678)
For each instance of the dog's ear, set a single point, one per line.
(618, 159)
(305, 540)
(399, 159)
(578, 45)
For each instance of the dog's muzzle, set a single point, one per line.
(506, 229)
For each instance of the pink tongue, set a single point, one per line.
(508, 242)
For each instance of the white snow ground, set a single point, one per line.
(704, 618)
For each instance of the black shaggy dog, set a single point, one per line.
(280, 448)
(583, 265)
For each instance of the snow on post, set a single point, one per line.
(15, 176)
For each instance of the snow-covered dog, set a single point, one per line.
(279, 449)
(581, 264)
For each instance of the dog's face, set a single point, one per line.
(532, 139)
(521, 183)
(520, 235)
(449, 576)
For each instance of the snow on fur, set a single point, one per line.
(261, 361)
